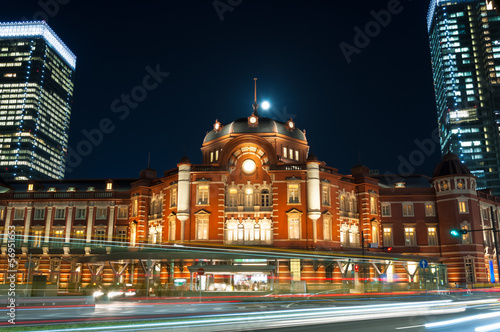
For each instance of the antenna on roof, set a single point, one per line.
(255, 94)
(255, 105)
(149, 159)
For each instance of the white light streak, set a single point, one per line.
(462, 320)
(485, 328)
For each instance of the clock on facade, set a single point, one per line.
(248, 166)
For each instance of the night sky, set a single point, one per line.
(376, 106)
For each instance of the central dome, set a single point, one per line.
(264, 126)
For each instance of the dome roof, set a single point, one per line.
(450, 165)
(265, 125)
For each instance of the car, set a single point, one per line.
(94, 290)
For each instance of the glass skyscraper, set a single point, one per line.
(465, 49)
(36, 91)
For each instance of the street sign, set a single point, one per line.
(423, 264)
(201, 271)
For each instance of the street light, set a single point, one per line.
(458, 232)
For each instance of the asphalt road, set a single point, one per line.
(410, 314)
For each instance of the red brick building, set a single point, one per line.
(258, 191)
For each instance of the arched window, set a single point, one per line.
(264, 198)
(232, 198)
(249, 197)
(240, 232)
(342, 204)
(265, 228)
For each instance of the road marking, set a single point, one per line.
(408, 327)
(241, 307)
(217, 308)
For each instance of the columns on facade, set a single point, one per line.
(90, 224)
(27, 224)
(69, 218)
(313, 194)
(8, 217)
(48, 223)
(183, 194)
(111, 222)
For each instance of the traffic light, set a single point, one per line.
(356, 268)
(458, 232)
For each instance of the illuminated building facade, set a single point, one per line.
(260, 211)
(36, 91)
(465, 49)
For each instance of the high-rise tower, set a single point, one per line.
(36, 90)
(465, 49)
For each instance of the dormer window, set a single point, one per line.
(51, 189)
(109, 185)
(70, 189)
(30, 187)
(91, 189)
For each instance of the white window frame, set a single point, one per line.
(327, 227)
(432, 236)
(466, 238)
(294, 219)
(410, 235)
(58, 235)
(173, 196)
(202, 227)
(408, 209)
(375, 232)
(122, 212)
(265, 198)
(19, 213)
(386, 207)
(430, 209)
(295, 198)
(99, 213)
(203, 194)
(135, 207)
(99, 236)
(39, 214)
(171, 228)
(121, 235)
(37, 238)
(387, 237)
(60, 213)
(325, 194)
(78, 216)
(373, 204)
(463, 206)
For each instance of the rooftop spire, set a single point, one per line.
(255, 105)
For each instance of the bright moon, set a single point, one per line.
(265, 105)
